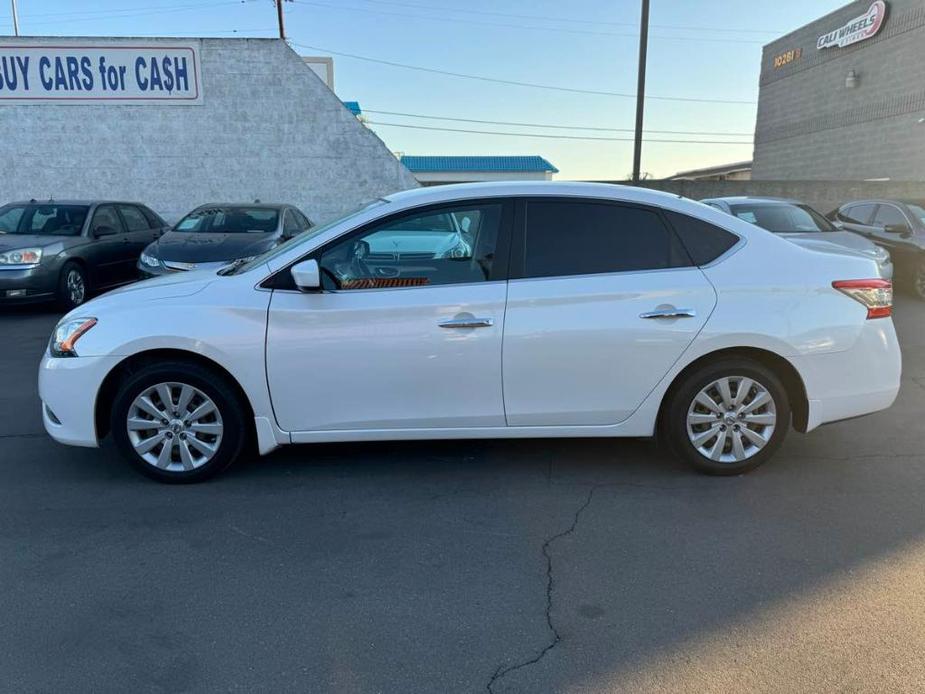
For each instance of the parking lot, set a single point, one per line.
(521, 566)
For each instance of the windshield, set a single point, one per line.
(43, 220)
(230, 220)
(918, 210)
(782, 218)
(301, 238)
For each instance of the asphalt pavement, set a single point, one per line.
(474, 566)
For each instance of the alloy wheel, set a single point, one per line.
(174, 427)
(76, 287)
(731, 419)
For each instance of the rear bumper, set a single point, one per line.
(68, 388)
(855, 382)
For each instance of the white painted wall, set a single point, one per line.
(268, 128)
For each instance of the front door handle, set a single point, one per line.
(670, 313)
(467, 322)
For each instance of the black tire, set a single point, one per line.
(231, 417)
(674, 426)
(917, 281)
(73, 287)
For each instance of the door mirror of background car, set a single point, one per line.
(104, 231)
(306, 275)
(897, 229)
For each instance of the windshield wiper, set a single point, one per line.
(231, 268)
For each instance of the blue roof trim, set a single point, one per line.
(478, 163)
(353, 107)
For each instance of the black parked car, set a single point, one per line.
(896, 225)
(64, 249)
(214, 235)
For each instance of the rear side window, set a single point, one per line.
(134, 219)
(856, 214)
(702, 241)
(588, 238)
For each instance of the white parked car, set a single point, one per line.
(483, 311)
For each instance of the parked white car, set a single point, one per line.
(537, 310)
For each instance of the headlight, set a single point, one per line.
(22, 256)
(150, 260)
(66, 335)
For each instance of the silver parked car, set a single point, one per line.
(804, 226)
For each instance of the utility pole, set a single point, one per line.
(15, 19)
(641, 88)
(279, 16)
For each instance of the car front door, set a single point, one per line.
(108, 247)
(601, 303)
(406, 331)
(892, 229)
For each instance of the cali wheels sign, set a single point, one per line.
(858, 29)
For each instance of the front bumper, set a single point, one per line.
(68, 388)
(858, 381)
(30, 284)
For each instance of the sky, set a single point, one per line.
(698, 49)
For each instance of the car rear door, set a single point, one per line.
(399, 342)
(901, 246)
(601, 303)
(139, 233)
(856, 217)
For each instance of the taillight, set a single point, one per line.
(876, 295)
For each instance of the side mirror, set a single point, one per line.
(104, 231)
(897, 229)
(306, 275)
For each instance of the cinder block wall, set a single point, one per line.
(811, 126)
(268, 128)
(821, 195)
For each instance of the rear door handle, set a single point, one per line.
(670, 313)
(468, 322)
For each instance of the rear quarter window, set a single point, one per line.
(703, 241)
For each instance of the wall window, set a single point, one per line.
(585, 238)
(452, 246)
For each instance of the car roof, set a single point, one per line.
(754, 198)
(461, 191)
(876, 201)
(258, 205)
(77, 202)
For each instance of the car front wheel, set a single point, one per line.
(728, 417)
(72, 286)
(178, 422)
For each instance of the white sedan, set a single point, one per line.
(483, 311)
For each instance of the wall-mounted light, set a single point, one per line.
(851, 81)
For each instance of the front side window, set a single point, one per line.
(782, 218)
(229, 220)
(45, 220)
(918, 210)
(585, 238)
(452, 246)
(889, 215)
(106, 220)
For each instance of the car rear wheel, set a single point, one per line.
(728, 417)
(178, 422)
(72, 286)
(918, 280)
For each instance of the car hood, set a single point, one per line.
(168, 286)
(10, 242)
(195, 247)
(845, 240)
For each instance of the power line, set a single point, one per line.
(552, 137)
(573, 20)
(516, 26)
(482, 78)
(549, 125)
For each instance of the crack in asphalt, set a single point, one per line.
(501, 671)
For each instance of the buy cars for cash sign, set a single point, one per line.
(106, 72)
(858, 29)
